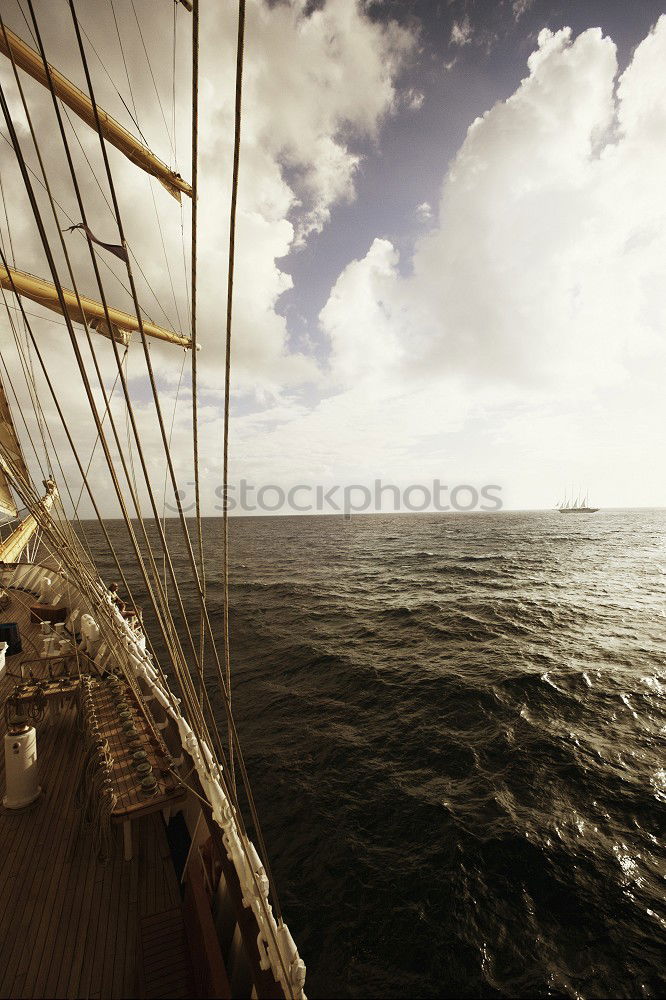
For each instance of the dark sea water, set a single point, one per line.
(454, 725)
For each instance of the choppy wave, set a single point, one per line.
(453, 728)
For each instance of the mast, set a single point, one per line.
(13, 467)
(12, 547)
(10, 451)
(16, 49)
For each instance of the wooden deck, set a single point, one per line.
(70, 926)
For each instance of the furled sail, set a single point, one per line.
(122, 323)
(12, 547)
(113, 131)
(10, 450)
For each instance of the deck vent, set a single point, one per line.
(21, 767)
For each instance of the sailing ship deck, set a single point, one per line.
(69, 925)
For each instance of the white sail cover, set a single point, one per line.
(10, 450)
(30, 61)
(91, 312)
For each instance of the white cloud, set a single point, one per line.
(545, 263)
(366, 292)
(462, 32)
(521, 7)
(536, 303)
(313, 82)
(317, 79)
(413, 99)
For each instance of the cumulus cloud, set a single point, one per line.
(544, 265)
(533, 315)
(315, 80)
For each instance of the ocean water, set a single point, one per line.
(454, 726)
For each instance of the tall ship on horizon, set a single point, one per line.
(578, 506)
(132, 860)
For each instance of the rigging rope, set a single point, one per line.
(125, 105)
(115, 347)
(173, 89)
(155, 395)
(96, 442)
(221, 676)
(10, 383)
(42, 423)
(156, 516)
(9, 232)
(240, 49)
(72, 337)
(129, 82)
(196, 712)
(36, 498)
(173, 420)
(100, 258)
(68, 435)
(168, 630)
(152, 190)
(193, 323)
(152, 76)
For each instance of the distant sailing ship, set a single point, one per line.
(577, 506)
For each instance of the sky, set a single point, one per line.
(450, 243)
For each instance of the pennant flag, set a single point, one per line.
(114, 248)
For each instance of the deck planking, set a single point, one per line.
(69, 925)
